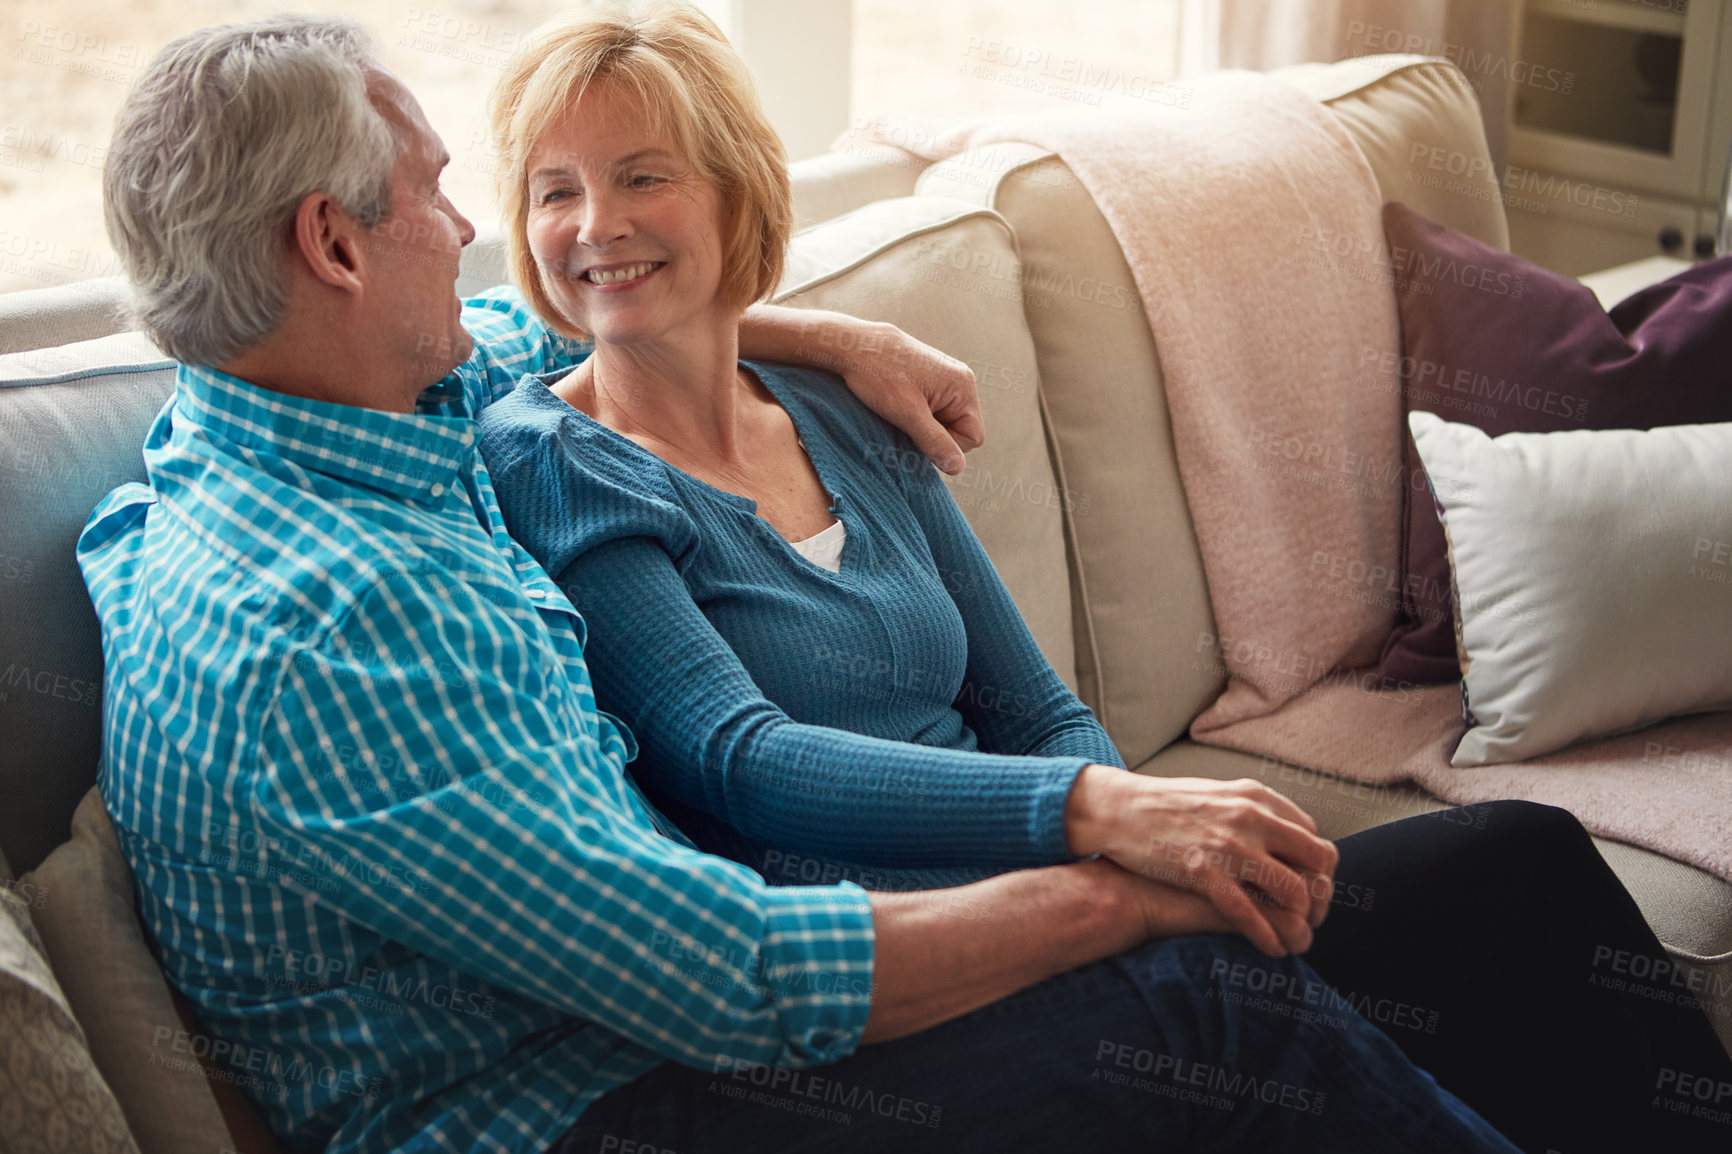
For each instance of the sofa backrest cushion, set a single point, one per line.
(81, 311)
(1416, 119)
(833, 184)
(88, 309)
(946, 272)
(1145, 633)
(1139, 578)
(72, 423)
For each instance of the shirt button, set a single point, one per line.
(537, 594)
(466, 439)
(438, 490)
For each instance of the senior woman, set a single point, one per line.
(828, 680)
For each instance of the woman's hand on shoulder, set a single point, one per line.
(929, 395)
(1249, 851)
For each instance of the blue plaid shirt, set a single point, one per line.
(383, 839)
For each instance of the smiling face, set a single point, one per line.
(624, 230)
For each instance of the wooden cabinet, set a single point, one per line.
(1620, 113)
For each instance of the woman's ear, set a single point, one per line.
(328, 242)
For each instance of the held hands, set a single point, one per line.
(1152, 910)
(1247, 851)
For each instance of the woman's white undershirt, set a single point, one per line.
(824, 548)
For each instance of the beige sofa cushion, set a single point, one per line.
(856, 174)
(946, 273)
(89, 924)
(1417, 121)
(1139, 578)
(1689, 909)
(51, 1096)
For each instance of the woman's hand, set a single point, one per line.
(1250, 852)
(928, 395)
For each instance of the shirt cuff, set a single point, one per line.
(1046, 820)
(817, 956)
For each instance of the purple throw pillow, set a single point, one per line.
(1489, 340)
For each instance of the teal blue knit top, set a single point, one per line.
(894, 714)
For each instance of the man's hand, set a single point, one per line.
(1167, 911)
(925, 393)
(1247, 850)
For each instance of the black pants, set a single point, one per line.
(1497, 948)
(1492, 944)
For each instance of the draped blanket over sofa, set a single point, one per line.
(1186, 348)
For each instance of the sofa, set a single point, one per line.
(996, 255)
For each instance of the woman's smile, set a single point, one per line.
(620, 277)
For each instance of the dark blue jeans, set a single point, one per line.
(1177, 1045)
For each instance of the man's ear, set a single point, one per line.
(328, 240)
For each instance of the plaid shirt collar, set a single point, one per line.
(413, 456)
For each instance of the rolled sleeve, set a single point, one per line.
(817, 957)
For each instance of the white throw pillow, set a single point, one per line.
(1593, 578)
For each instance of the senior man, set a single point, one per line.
(386, 844)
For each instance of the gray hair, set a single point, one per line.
(219, 141)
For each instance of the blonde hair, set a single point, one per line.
(694, 88)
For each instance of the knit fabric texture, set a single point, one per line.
(893, 723)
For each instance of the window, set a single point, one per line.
(66, 67)
(963, 56)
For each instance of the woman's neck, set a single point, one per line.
(683, 396)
